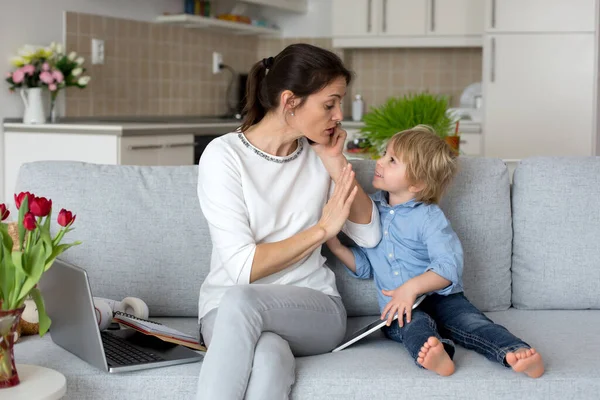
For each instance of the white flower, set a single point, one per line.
(84, 80)
(76, 72)
(17, 61)
(26, 51)
(80, 60)
(59, 48)
(72, 56)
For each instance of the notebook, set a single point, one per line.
(158, 330)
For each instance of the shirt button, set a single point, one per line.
(395, 272)
(390, 255)
(391, 211)
(385, 233)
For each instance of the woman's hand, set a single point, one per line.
(337, 209)
(403, 299)
(335, 147)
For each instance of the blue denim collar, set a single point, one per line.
(382, 197)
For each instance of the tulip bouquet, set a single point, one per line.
(22, 262)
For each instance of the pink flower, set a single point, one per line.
(52, 87)
(46, 67)
(18, 76)
(29, 69)
(58, 76)
(46, 77)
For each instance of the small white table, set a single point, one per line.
(37, 383)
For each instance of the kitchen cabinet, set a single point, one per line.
(156, 150)
(407, 23)
(540, 15)
(540, 90)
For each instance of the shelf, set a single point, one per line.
(216, 25)
(294, 6)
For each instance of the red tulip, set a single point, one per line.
(65, 217)
(40, 206)
(4, 213)
(21, 196)
(29, 221)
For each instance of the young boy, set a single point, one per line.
(419, 253)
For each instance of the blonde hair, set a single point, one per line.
(429, 160)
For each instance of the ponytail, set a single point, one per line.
(255, 107)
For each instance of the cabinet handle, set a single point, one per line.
(493, 61)
(463, 141)
(174, 145)
(493, 13)
(145, 147)
(369, 15)
(432, 15)
(384, 27)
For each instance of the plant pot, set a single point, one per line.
(9, 321)
(454, 142)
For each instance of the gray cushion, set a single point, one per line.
(556, 253)
(375, 368)
(478, 206)
(142, 229)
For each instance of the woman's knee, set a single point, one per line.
(273, 352)
(238, 299)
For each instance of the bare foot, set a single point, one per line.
(433, 357)
(527, 361)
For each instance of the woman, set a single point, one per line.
(268, 199)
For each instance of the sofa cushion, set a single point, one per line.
(141, 228)
(478, 207)
(556, 218)
(374, 368)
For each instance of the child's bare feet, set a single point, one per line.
(527, 361)
(433, 357)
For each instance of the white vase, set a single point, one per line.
(34, 106)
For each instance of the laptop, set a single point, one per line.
(371, 327)
(69, 304)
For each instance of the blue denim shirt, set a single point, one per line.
(416, 238)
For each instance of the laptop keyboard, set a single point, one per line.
(118, 351)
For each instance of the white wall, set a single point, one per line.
(315, 23)
(40, 22)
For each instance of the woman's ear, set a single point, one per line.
(288, 100)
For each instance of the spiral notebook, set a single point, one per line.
(159, 330)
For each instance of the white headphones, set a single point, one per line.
(106, 308)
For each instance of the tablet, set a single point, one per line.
(370, 328)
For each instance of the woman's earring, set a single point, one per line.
(292, 113)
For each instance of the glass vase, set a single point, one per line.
(9, 321)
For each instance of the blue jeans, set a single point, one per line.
(453, 319)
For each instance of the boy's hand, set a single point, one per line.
(403, 299)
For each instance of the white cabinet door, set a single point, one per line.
(403, 17)
(177, 150)
(539, 95)
(540, 15)
(456, 17)
(471, 144)
(356, 18)
(139, 150)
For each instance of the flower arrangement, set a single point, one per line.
(49, 67)
(27, 250)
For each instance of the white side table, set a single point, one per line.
(37, 383)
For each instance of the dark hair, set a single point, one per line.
(301, 68)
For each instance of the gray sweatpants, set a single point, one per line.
(255, 333)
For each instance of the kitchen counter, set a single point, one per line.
(138, 126)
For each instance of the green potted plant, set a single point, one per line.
(405, 112)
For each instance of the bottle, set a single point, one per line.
(357, 108)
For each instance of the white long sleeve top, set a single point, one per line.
(249, 197)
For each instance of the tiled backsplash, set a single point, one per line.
(152, 69)
(382, 73)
